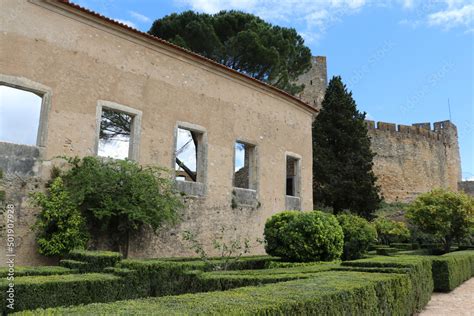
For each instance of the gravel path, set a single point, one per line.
(459, 302)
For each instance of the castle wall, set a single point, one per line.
(79, 59)
(410, 159)
(315, 82)
(414, 159)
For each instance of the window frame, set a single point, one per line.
(297, 183)
(40, 90)
(253, 176)
(192, 188)
(135, 130)
(293, 202)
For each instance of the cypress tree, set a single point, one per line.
(342, 159)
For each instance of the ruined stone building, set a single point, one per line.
(82, 67)
(241, 150)
(409, 159)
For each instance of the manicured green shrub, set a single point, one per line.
(74, 264)
(73, 289)
(419, 272)
(390, 231)
(60, 227)
(331, 293)
(304, 236)
(96, 260)
(62, 290)
(40, 270)
(404, 246)
(358, 236)
(452, 269)
(447, 216)
(386, 251)
(274, 228)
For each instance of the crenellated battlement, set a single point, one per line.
(440, 131)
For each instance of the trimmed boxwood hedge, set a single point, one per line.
(59, 290)
(331, 293)
(96, 261)
(225, 280)
(452, 269)
(386, 251)
(419, 272)
(40, 270)
(172, 278)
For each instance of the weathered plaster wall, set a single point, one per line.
(82, 61)
(414, 159)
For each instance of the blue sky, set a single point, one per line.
(402, 59)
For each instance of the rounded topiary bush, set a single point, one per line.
(359, 234)
(304, 236)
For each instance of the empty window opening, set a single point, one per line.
(292, 176)
(311, 82)
(115, 134)
(20, 112)
(245, 166)
(187, 155)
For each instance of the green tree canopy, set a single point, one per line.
(241, 41)
(447, 216)
(342, 158)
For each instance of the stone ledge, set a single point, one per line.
(292, 203)
(19, 159)
(191, 188)
(244, 197)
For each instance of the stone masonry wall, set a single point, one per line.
(315, 82)
(414, 159)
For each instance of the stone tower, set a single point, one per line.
(315, 81)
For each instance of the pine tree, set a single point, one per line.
(342, 158)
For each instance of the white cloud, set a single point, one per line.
(408, 4)
(139, 17)
(453, 17)
(314, 17)
(126, 22)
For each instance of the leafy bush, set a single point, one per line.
(390, 231)
(60, 226)
(120, 196)
(358, 236)
(447, 216)
(304, 236)
(331, 293)
(452, 269)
